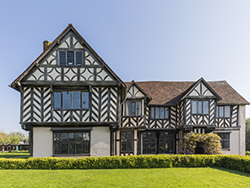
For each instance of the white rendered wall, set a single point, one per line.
(42, 142)
(100, 141)
(242, 124)
(234, 143)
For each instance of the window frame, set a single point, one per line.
(202, 107)
(130, 102)
(224, 140)
(164, 112)
(74, 56)
(149, 142)
(158, 142)
(71, 99)
(70, 141)
(126, 139)
(217, 113)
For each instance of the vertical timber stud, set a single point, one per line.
(118, 143)
(21, 103)
(90, 103)
(52, 103)
(135, 142)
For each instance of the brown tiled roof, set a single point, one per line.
(169, 93)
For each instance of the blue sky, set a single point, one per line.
(140, 40)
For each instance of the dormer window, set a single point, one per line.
(70, 58)
(133, 108)
(200, 107)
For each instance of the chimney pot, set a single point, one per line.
(46, 44)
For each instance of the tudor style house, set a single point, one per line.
(73, 104)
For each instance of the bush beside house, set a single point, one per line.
(235, 162)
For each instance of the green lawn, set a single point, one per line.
(16, 155)
(165, 177)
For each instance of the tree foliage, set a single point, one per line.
(210, 143)
(248, 134)
(4, 139)
(248, 124)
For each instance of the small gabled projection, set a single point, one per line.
(202, 89)
(135, 91)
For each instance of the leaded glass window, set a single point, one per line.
(70, 58)
(225, 140)
(200, 107)
(133, 108)
(71, 143)
(159, 113)
(126, 141)
(223, 112)
(71, 100)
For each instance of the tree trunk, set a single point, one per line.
(3, 148)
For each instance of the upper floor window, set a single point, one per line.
(223, 111)
(159, 113)
(200, 107)
(133, 108)
(70, 57)
(71, 100)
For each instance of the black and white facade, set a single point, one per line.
(73, 104)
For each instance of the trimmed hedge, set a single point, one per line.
(235, 162)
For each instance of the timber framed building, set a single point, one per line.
(73, 104)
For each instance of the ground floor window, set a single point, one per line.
(126, 141)
(225, 140)
(166, 142)
(71, 143)
(154, 142)
(149, 142)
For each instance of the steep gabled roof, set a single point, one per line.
(201, 80)
(52, 45)
(170, 93)
(130, 84)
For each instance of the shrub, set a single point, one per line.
(235, 162)
(210, 143)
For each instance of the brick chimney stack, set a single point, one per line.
(46, 44)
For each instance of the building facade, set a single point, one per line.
(73, 104)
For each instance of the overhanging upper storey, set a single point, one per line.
(68, 60)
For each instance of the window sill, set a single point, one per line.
(134, 116)
(69, 155)
(201, 114)
(159, 119)
(85, 109)
(226, 149)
